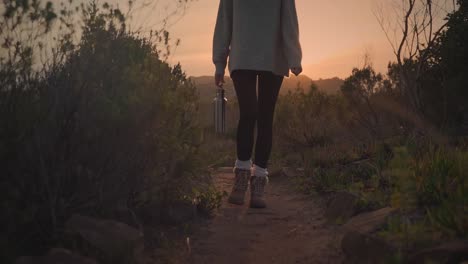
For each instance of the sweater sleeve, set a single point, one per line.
(222, 35)
(290, 33)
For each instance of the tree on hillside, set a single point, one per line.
(358, 89)
(445, 84)
(414, 28)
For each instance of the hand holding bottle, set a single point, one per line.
(219, 80)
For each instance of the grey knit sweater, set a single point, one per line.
(257, 35)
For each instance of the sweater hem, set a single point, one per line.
(280, 73)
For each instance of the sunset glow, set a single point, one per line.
(335, 35)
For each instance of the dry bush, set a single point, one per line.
(105, 123)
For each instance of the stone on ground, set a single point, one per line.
(341, 207)
(106, 240)
(56, 256)
(371, 221)
(360, 244)
(454, 252)
(286, 172)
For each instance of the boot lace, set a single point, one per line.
(258, 185)
(242, 180)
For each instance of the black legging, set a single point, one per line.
(253, 111)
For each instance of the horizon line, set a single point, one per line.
(290, 76)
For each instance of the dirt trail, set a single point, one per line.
(290, 230)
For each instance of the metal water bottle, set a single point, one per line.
(219, 111)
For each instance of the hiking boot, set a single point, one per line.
(241, 183)
(257, 189)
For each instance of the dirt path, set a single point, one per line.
(290, 230)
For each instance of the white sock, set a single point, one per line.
(259, 171)
(243, 164)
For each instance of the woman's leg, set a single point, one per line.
(245, 82)
(269, 85)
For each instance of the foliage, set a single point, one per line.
(209, 200)
(219, 150)
(446, 185)
(394, 139)
(306, 120)
(104, 122)
(436, 183)
(333, 135)
(375, 104)
(362, 84)
(443, 80)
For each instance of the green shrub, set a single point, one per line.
(434, 172)
(106, 123)
(307, 120)
(435, 182)
(449, 192)
(209, 200)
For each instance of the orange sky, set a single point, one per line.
(335, 35)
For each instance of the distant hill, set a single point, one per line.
(205, 85)
(328, 86)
